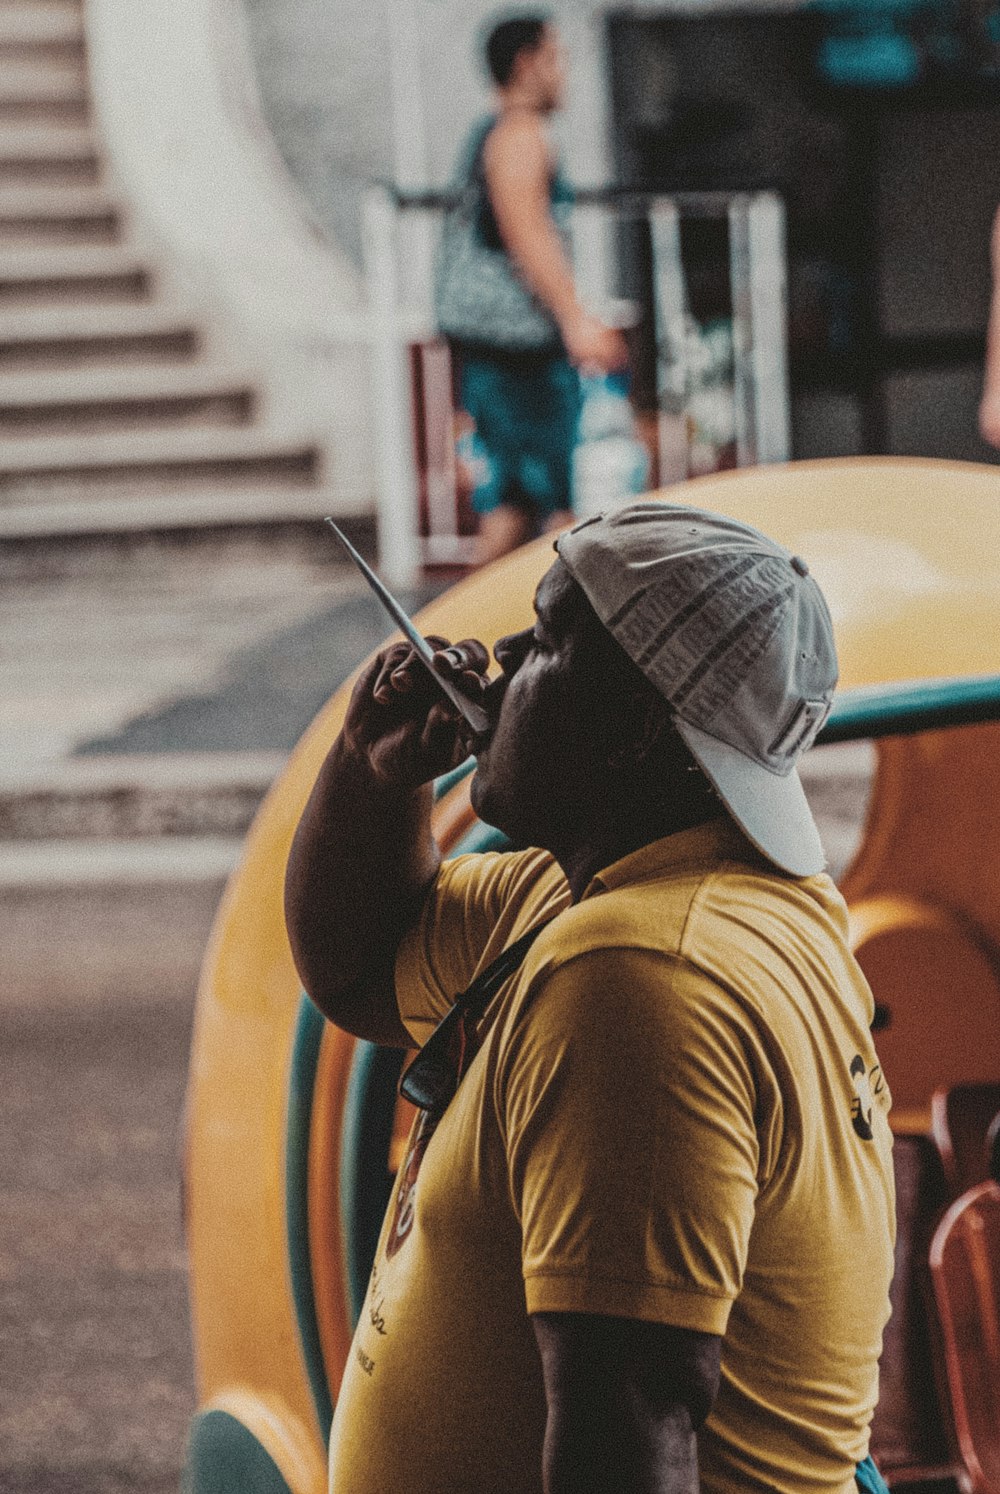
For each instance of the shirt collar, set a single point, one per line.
(718, 840)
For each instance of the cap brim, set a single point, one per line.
(772, 812)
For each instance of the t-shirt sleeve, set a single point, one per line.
(468, 911)
(628, 1098)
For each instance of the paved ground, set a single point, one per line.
(178, 652)
(176, 655)
(94, 1342)
(265, 692)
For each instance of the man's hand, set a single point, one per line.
(591, 345)
(401, 724)
(363, 854)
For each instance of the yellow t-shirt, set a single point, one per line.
(676, 1114)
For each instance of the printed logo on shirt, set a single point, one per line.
(376, 1303)
(867, 1083)
(405, 1196)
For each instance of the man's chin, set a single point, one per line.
(479, 797)
(477, 791)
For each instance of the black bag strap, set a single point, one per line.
(431, 1079)
(478, 996)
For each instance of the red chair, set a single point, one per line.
(909, 1437)
(960, 1120)
(965, 1271)
(993, 1148)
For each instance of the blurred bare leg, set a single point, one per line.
(501, 530)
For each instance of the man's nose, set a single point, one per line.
(509, 651)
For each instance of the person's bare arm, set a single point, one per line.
(989, 409)
(363, 855)
(625, 1400)
(517, 167)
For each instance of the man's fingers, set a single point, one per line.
(401, 671)
(438, 737)
(458, 659)
(390, 661)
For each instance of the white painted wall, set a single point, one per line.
(177, 106)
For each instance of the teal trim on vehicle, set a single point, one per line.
(481, 837)
(301, 1086)
(224, 1456)
(916, 705)
(447, 781)
(365, 1180)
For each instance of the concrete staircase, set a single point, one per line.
(122, 405)
(156, 480)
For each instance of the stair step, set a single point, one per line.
(177, 511)
(43, 25)
(75, 335)
(81, 272)
(50, 153)
(114, 398)
(133, 797)
(53, 216)
(45, 468)
(42, 89)
(52, 201)
(110, 864)
(54, 78)
(39, 142)
(50, 166)
(66, 261)
(43, 110)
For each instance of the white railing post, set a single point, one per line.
(397, 508)
(409, 152)
(769, 322)
(744, 330)
(670, 321)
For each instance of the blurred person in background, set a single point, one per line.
(507, 301)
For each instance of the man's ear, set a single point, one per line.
(654, 723)
(645, 722)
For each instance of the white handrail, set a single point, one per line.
(397, 505)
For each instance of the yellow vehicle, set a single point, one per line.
(293, 1128)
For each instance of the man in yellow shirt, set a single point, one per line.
(642, 1240)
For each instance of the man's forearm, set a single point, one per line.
(362, 856)
(537, 250)
(608, 1448)
(624, 1400)
(517, 179)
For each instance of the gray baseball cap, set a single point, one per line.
(734, 632)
